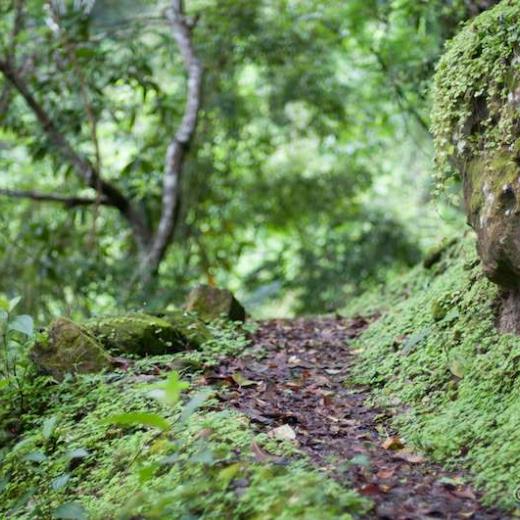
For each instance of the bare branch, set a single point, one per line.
(70, 202)
(81, 165)
(181, 28)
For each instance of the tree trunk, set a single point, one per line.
(178, 148)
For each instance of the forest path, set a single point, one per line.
(293, 377)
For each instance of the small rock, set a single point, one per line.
(283, 433)
(211, 303)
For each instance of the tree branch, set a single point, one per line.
(70, 202)
(177, 150)
(81, 165)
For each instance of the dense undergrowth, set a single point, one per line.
(436, 354)
(74, 457)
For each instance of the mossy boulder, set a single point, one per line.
(193, 328)
(139, 334)
(69, 348)
(476, 125)
(210, 303)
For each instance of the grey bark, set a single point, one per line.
(178, 147)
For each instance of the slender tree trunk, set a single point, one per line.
(178, 148)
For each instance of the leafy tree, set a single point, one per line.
(230, 129)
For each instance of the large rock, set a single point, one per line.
(211, 303)
(69, 348)
(139, 334)
(476, 123)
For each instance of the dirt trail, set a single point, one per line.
(293, 375)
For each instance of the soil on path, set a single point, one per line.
(293, 377)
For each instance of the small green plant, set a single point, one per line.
(16, 334)
(168, 393)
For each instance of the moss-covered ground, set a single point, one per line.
(72, 459)
(433, 355)
(436, 357)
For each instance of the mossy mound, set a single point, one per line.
(435, 352)
(68, 348)
(139, 334)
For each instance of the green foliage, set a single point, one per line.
(305, 103)
(16, 334)
(436, 351)
(138, 334)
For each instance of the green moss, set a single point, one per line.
(474, 112)
(68, 348)
(203, 468)
(195, 330)
(434, 254)
(139, 334)
(489, 174)
(458, 377)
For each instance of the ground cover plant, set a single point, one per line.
(436, 356)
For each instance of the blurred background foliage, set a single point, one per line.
(310, 175)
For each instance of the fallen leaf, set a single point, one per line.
(464, 493)
(371, 489)
(240, 380)
(393, 443)
(334, 371)
(457, 368)
(384, 474)
(450, 482)
(407, 456)
(205, 433)
(327, 400)
(295, 361)
(283, 433)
